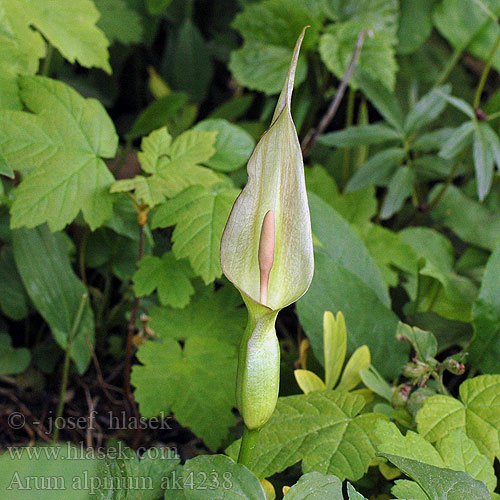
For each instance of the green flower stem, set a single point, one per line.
(257, 382)
(67, 360)
(248, 442)
(485, 73)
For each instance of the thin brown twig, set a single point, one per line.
(130, 340)
(313, 134)
(100, 378)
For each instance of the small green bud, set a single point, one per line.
(454, 366)
(267, 253)
(400, 395)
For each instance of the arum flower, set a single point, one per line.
(267, 253)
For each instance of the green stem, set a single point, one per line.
(248, 442)
(485, 72)
(67, 360)
(47, 61)
(449, 67)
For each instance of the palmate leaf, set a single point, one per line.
(377, 58)
(174, 165)
(216, 315)
(63, 143)
(270, 29)
(184, 380)
(439, 483)
(324, 430)
(167, 275)
(477, 413)
(200, 215)
(21, 47)
(455, 451)
(69, 27)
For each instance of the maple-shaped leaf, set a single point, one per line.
(184, 380)
(200, 215)
(173, 166)
(477, 412)
(322, 429)
(167, 275)
(62, 142)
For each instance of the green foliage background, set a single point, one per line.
(125, 127)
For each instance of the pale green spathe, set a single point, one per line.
(275, 184)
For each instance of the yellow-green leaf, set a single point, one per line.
(309, 381)
(335, 344)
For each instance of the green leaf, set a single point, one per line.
(353, 494)
(119, 22)
(65, 474)
(424, 343)
(458, 141)
(377, 57)
(200, 215)
(63, 143)
(210, 314)
(358, 135)
(190, 67)
(182, 380)
(157, 6)
(427, 109)
(308, 381)
(21, 49)
(360, 360)
(127, 477)
(357, 207)
(263, 67)
(390, 253)
(322, 429)
(43, 263)
(477, 35)
(70, 29)
(348, 280)
(415, 25)
(376, 383)
(174, 166)
(160, 113)
(385, 101)
(233, 145)
(477, 413)
(269, 30)
(377, 169)
(455, 451)
(277, 22)
(315, 486)
(486, 152)
(471, 221)
(485, 348)
(167, 275)
(431, 141)
(12, 361)
(399, 188)
(13, 298)
(217, 477)
(438, 483)
(335, 346)
(5, 169)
